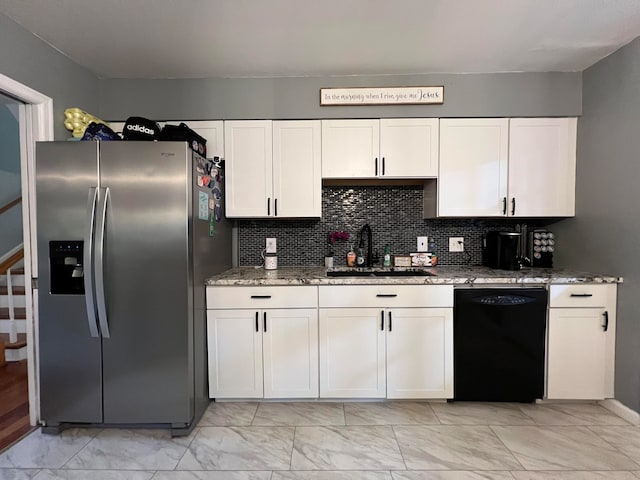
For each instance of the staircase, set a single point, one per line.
(13, 318)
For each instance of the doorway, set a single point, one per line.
(35, 123)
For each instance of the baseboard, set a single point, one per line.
(614, 406)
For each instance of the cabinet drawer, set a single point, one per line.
(581, 295)
(262, 297)
(385, 296)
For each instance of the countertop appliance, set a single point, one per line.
(126, 235)
(502, 250)
(499, 344)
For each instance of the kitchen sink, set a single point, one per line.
(379, 273)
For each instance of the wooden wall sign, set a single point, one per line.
(381, 96)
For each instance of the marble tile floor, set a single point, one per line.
(400, 440)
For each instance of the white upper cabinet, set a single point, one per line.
(409, 147)
(297, 180)
(386, 148)
(350, 148)
(542, 167)
(212, 132)
(472, 181)
(520, 167)
(273, 168)
(248, 168)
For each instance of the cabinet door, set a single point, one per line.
(472, 181)
(542, 167)
(352, 353)
(248, 168)
(290, 344)
(297, 180)
(212, 132)
(409, 147)
(350, 148)
(420, 353)
(577, 354)
(235, 354)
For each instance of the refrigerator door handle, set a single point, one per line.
(103, 199)
(88, 262)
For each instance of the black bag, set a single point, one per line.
(139, 128)
(99, 131)
(182, 133)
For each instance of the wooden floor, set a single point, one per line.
(14, 403)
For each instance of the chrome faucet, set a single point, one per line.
(366, 228)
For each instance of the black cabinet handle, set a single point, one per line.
(387, 295)
(504, 205)
(260, 296)
(275, 207)
(382, 165)
(376, 166)
(390, 323)
(265, 322)
(582, 295)
(513, 206)
(257, 323)
(381, 319)
(268, 206)
(605, 327)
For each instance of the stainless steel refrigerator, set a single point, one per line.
(127, 233)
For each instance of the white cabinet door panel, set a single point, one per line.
(577, 354)
(248, 168)
(297, 178)
(290, 345)
(352, 353)
(350, 148)
(235, 354)
(409, 147)
(212, 132)
(473, 167)
(542, 166)
(420, 353)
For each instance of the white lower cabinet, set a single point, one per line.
(581, 346)
(262, 352)
(384, 351)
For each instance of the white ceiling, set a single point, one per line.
(257, 38)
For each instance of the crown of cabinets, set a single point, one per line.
(385, 148)
(273, 168)
(500, 167)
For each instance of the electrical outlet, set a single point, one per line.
(456, 244)
(423, 244)
(271, 245)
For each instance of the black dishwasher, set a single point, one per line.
(499, 344)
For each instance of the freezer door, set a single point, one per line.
(146, 358)
(70, 357)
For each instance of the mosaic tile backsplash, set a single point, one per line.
(394, 214)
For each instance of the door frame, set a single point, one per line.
(36, 124)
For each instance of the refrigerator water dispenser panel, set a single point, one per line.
(67, 271)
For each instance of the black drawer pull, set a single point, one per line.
(387, 295)
(265, 322)
(504, 205)
(582, 294)
(381, 319)
(605, 327)
(382, 165)
(376, 172)
(257, 323)
(390, 323)
(260, 296)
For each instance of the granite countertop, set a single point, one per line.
(442, 275)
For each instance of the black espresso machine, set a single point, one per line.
(514, 250)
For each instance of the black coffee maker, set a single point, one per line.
(502, 250)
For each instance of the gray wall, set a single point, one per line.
(28, 60)
(605, 234)
(466, 95)
(10, 188)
